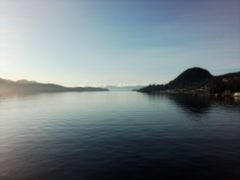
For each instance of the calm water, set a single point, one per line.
(118, 135)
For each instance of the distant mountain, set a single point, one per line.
(24, 86)
(198, 81)
(124, 88)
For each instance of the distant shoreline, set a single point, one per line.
(24, 87)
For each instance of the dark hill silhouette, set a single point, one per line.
(24, 86)
(197, 80)
(190, 77)
(230, 82)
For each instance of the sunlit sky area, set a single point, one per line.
(103, 42)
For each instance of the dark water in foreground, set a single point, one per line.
(118, 135)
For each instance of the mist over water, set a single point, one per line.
(118, 135)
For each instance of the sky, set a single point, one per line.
(113, 42)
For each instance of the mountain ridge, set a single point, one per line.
(25, 86)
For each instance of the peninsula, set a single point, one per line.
(199, 81)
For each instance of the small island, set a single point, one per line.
(199, 81)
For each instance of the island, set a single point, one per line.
(199, 81)
(8, 87)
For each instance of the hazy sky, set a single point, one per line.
(97, 42)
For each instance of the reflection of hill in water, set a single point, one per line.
(197, 105)
(192, 104)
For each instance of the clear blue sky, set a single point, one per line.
(99, 42)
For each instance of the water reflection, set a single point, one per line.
(105, 135)
(197, 105)
(190, 104)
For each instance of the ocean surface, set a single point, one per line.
(119, 135)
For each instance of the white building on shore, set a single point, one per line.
(236, 94)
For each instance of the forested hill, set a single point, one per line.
(196, 80)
